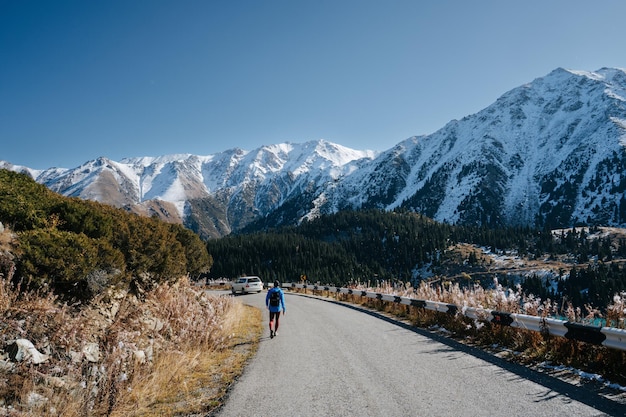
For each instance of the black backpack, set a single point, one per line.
(275, 298)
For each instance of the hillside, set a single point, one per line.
(77, 247)
(547, 154)
(98, 313)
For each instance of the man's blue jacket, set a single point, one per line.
(281, 306)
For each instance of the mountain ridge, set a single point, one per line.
(547, 153)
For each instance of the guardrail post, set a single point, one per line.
(582, 333)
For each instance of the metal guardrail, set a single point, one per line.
(605, 336)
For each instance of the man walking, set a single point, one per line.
(275, 302)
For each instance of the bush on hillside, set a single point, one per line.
(65, 261)
(76, 247)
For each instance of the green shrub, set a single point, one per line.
(77, 248)
(64, 261)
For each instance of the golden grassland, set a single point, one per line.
(174, 353)
(194, 381)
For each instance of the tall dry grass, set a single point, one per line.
(161, 356)
(510, 300)
(192, 373)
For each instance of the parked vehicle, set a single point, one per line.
(247, 284)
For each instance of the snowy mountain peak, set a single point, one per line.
(547, 152)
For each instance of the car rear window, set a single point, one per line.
(254, 280)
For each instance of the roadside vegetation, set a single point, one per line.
(77, 248)
(100, 317)
(176, 352)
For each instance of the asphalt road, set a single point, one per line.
(333, 360)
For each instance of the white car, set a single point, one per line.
(247, 284)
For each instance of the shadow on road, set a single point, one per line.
(585, 395)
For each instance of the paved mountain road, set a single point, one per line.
(332, 360)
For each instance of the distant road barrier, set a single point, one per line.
(606, 336)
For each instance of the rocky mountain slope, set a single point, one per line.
(548, 153)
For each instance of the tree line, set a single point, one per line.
(376, 245)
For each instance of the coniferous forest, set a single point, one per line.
(400, 246)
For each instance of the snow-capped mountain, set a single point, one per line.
(548, 153)
(212, 194)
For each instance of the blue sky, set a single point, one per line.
(125, 78)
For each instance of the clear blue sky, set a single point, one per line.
(123, 78)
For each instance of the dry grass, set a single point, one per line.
(6, 240)
(200, 377)
(510, 300)
(173, 354)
